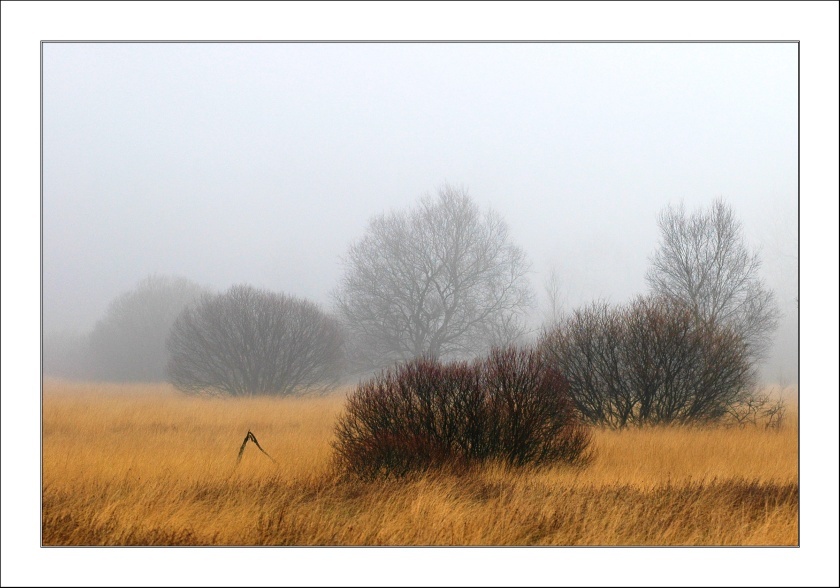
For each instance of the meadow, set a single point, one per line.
(145, 465)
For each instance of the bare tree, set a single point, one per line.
(703, 261)
(249, 342)
(440, 281)
(129, 342)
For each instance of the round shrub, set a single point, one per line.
(249, 342)
(649, 362)
(510, 406)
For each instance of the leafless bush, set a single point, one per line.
(650, 362)
(510, 406)
(532, 417)
(247, 342)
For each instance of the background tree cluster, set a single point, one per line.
(129, 342)
(443, 281)
(688, 351)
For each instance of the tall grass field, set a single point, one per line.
(146, 465)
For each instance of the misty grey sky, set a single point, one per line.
(261, 162)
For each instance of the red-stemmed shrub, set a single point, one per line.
(511, 406)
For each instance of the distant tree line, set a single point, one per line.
(442, 281)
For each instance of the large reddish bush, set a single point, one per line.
(511, 406)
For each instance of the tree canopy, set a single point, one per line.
(440, 280)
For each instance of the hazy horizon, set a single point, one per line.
(261, 163)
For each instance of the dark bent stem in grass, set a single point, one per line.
(250, 437)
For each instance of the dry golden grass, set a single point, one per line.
(144, 465)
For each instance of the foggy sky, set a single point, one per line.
(260, 163)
